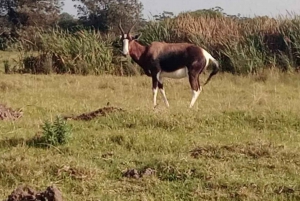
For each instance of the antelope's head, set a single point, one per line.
(127, 38)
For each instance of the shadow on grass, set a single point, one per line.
(35, 141)
(13, 142)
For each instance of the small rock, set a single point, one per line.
(148, 172)
(132, 173)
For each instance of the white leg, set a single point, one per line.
(154, 96)
(162, 91)
(195, 96)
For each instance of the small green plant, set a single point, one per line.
(54, 133)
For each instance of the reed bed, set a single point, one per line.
(242, 45)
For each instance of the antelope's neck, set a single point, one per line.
(136, 52)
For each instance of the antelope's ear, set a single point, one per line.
(120, 36)
(136, 37)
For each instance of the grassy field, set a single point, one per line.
(239, 142)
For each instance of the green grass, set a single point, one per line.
(239, 142)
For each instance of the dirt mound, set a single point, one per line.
(134, 173)
(7, 113)
(91, 115)
(24, 193)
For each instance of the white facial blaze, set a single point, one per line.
(125, 45)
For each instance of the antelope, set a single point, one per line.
(170, 60)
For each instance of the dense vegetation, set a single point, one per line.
(86, 46)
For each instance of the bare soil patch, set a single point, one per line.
(7, 113)
(76, 173)
(134, 173)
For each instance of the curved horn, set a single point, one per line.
(121, 29)
(131, 28)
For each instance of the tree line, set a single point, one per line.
(102, 15)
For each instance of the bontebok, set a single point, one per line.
(172, 60)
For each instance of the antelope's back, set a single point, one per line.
(173, 56)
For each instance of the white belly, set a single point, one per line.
(178, 74)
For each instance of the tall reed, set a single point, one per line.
(242, 45)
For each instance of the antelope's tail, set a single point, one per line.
(215, 68)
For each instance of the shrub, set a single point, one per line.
(83, 52)
(54, 133)
(41, 64)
